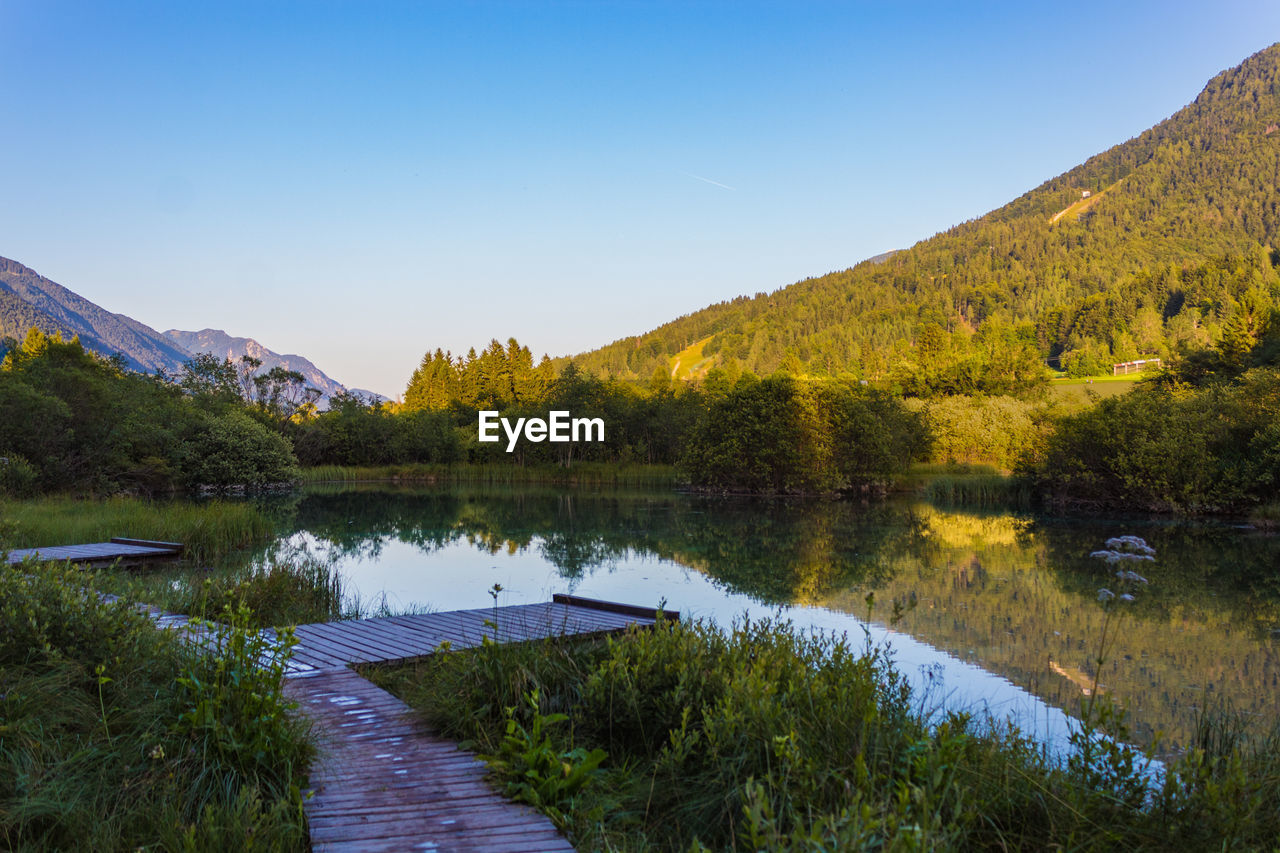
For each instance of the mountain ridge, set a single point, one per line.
(58, 309)
(224, 345)
(1182, 230)
(29, 299)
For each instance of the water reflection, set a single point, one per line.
(1012, 594)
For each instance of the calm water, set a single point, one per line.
(1005, 605)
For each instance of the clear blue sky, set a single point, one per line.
(360, 182)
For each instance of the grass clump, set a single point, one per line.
(1266, 516)
(286, 588)
(208, 529)
(580, 474)
(764, 737)
(117, 736)
(980, 491)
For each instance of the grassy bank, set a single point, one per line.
(115, 736)
(690, 738)
(967, 486)
(980, 491)
(1266, 516)
(208, 529)
(581, 474)
(920, 474)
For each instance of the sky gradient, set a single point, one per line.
(362, 182)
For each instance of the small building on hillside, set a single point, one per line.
(1085, 194)
(1139, 366)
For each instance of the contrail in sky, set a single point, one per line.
(708, 180)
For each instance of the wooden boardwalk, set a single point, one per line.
(102, 553)
(397, 638)
(383, 780)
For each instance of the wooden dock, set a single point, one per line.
(128, 551)
(383, 780)
(399, 638)
(386, 782)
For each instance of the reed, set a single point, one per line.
(980, 491)
(1266, 516)
(581, 474)
(208, 529)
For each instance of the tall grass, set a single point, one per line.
(1266, 516)
(980, 491)
(581, 474)
(116, 736)
(766, 738)
(285, 587)
(208, 529)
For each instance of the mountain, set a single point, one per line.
(373, 396)
(222, 345)
(29, 299)
(1158, 243)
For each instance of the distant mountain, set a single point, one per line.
(29, 299)
(1158, 243)
(370, 395)
(222, 345)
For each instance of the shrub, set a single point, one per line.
(994, 430)
(17, 477)
(236, 450)
(774, 436)
(1210, 449)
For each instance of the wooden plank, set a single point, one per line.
(417, 632)
(353, 635)
(451, 626)
(650, 613)
(408, 790)
(408, 643)
(403, 640)
(333, 642)
(316, 645)
(92, 552)
(574, 615)
(175, 547)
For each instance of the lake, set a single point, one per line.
(997, 608)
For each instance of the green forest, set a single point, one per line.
(1200, 437)
(1173, 249)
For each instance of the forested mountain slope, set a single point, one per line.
(53, 308)
(1173, 246)
(17, 316)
